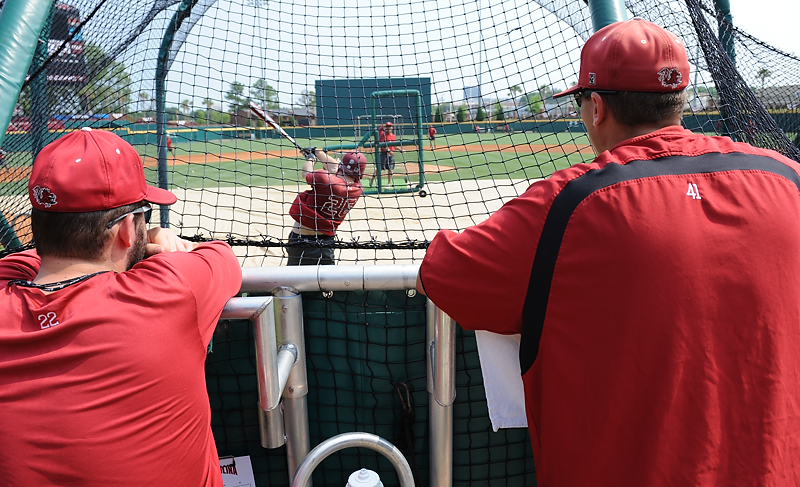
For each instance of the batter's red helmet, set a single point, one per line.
(353, 164)
(388, 124)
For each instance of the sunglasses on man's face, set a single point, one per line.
(146, 209)
(579, 95)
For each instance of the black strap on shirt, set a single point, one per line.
(535, 306)
(53, 286)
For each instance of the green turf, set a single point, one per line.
(285, 171)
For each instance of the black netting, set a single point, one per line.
(482, 74)
(365, 355)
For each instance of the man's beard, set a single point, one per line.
(137, 251)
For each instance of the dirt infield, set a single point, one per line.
(10, 174)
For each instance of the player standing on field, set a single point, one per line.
(432, 136)
(104, 329)
(655, 289)
(319, 211)
(387, 152)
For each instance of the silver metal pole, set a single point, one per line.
(289, 331)
(260, 310)
(442, 388)
(329, 278)
(267, 358)
(349, 440)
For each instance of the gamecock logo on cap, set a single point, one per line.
(670, 77)
(44, 197)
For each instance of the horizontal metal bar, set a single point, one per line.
(330, 278)
(245, 308)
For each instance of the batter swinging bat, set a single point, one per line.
(269, 121)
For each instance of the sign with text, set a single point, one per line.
(237, 472)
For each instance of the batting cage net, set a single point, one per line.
(332, 74)
(176, 78)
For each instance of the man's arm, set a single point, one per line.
(164, 240)
(420, 287)
(331, 163)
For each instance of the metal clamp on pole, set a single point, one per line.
(349, 440)
(441, 340)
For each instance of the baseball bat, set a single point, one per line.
(269, 121)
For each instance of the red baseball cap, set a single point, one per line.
(90, 170)
(353, 164)
(634, 55)
(388, 124)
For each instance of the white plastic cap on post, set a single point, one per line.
(364, 478)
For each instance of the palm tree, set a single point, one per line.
(144, 97)
(208, 103)
(185, 106)
(513, 91)
(763, 74)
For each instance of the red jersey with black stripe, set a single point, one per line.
(656, 291)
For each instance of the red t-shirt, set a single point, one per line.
(384, 137)
(431, 131)
(656, 291)
(324, 206)
(103, 382)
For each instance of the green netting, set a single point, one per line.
(485, 72)
(362, 347)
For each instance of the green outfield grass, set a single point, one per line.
(215, 165)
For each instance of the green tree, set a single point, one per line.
(461, 114)
(235, 96)
(173, 114)
(144, 100)
(498, 112)
(185, 107)
(514, 91)
(208, 103)
(109, 87)
(307, 100)
(437, 115)
(264, 94)
(762, 75)
(534, 102)
(480, 114)
(546, 92)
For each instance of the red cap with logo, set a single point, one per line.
(388, 124)
(634, 55)
(90, 170)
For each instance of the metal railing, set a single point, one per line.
(280, 358)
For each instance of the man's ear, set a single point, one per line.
(125, 231)
(599, 109)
